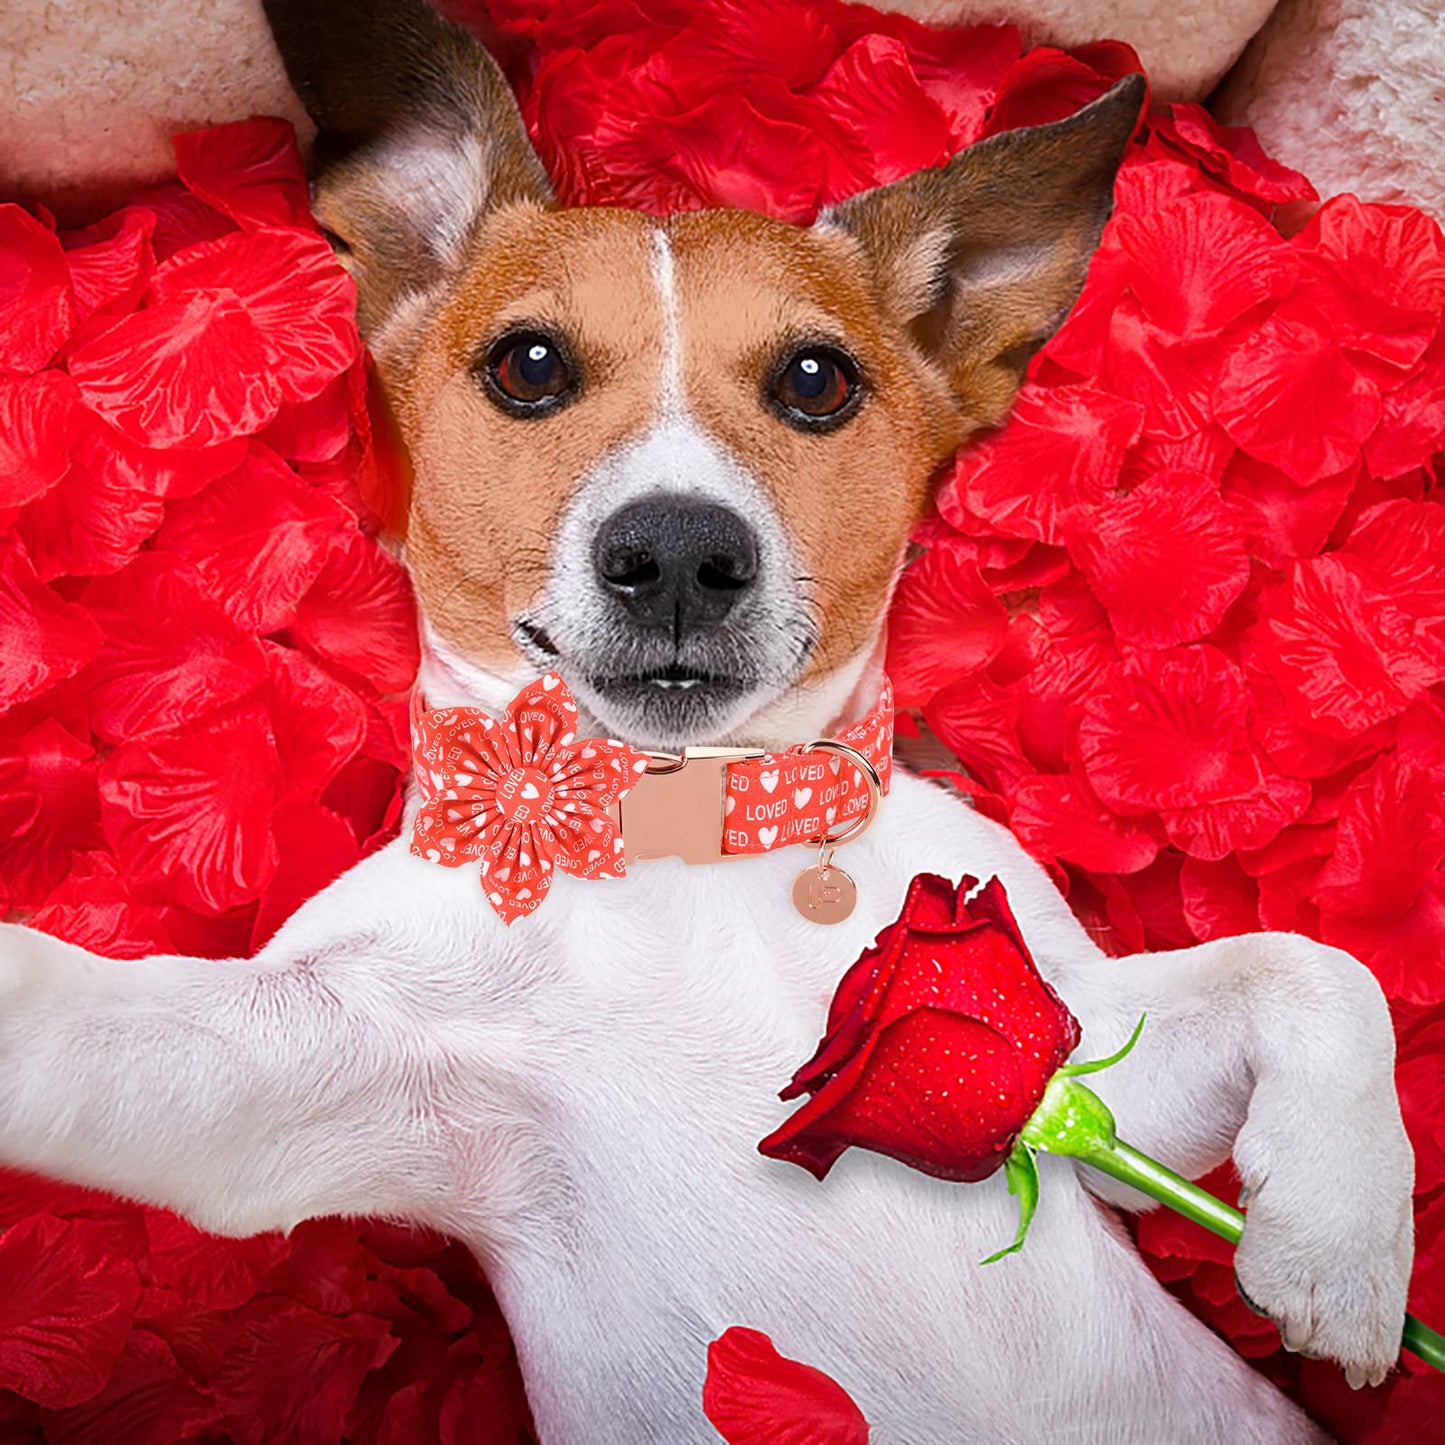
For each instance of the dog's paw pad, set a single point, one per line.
(1329, 1301)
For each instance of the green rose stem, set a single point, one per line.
(1072, 1119)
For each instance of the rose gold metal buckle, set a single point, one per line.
(859, 825)
(675, 809)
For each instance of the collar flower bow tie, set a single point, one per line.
(522, 796)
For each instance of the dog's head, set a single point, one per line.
(677, 460)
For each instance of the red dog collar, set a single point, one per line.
(708, 804)
(525, 798)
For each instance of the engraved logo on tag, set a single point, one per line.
(824, 895)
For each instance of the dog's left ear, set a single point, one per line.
(980, 259)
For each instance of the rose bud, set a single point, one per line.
(941, 1041)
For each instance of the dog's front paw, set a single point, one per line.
(1329, 1239)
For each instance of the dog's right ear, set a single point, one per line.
(419, 138)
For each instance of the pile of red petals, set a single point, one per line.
(1182, 621)
(202, 722)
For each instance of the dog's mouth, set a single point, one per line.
(673, 679)
(668, 708)
(654, 702)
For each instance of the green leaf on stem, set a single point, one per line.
(1071, 1118)
(1092, 1066)
(1023, 1183)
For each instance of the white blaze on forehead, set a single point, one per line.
(664, 277)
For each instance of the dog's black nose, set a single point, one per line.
(676, 562)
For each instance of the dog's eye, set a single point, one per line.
(527, 374)
(815, 386)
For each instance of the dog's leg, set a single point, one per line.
(1280, 1051)
(246, 1095)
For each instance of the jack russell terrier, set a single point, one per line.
(677, 462)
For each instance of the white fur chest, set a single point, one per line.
(598, 1078)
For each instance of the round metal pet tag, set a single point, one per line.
(824, 895)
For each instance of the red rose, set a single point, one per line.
(941, 1040)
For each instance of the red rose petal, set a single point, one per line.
(185, 373)
(1389, 840)
(42, 638)
(873, 91)
(165, 473)
(1232, 153)
(1405, 953)
(978, 720)
(1043, 85)
(170, 655)
(1284, 730)
(314, 848)
(1079, 343)
(1166, 560)
(1400, 547)
(149, 1399)
(717, 48)
(48, 807)
(960, 69)
(1198, 262)
(295, 1372)
(96, 519)
(315, 430)
(1346, 655)
(294, 291)
(257, 539)
(1173, 736)
(1290, 397)
(712, 153)
(755, 1396)
(190, 814)
(65, 1311)
(1412, 426)
(95, 908)
(1421, 1082)
(1378, 272)
(1059, 452)
(1280, 520)
(110, 263)
(1056, 816)
(360, 616)
(36, 309)
(1226, 825)
(1221, 900)
(1170, 732)
(1171, 382)
(182, 219)
(945, 624)
(251, 170)
(320, 724)
(35, 434)
(369, 795)
(214, 1273)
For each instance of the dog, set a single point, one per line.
(677, 462)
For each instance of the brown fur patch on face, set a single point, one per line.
(490, 487)
(751, 293)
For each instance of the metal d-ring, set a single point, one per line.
(859, 825)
